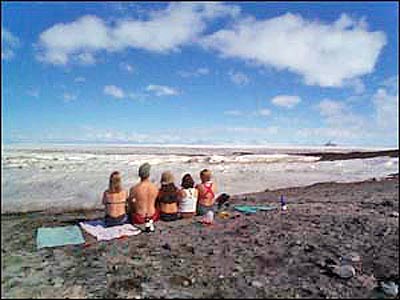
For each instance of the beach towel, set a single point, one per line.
(248, 209)
(59, 236)
(98, 229)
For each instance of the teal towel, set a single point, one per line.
(248, 209)
(59, 236)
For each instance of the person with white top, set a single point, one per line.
(189, 195)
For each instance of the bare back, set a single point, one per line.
(206, 193)
(142, 198)
(115, 203)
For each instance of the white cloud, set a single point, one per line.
(126, 67)
(8, 44)
(329, 107)
(203, 71)
(286, 101)
(80, 79)
(141, 97)
(163, 31)
(239, 78)
(391, 84)
(357, 84)
(235, 113)
(34, 93)
(85, 35)
(162, 90)
(69, 97)
(345, 125)
(195, 73)
(114, 91)
(323, 54)
(387, 111)
(338, 114)
(271, 130)
(328, 134)
(86, 58)
(264, 112)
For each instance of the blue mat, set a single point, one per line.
(248, 209)
(59, 236)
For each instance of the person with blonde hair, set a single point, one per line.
(206, 193)
(168, 198)
(114, 200)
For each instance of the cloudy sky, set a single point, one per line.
(200, 73)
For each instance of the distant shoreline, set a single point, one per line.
(329, 156)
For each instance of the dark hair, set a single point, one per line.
(187, 181)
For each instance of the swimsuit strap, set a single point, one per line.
(167, 197)
(117, 202)
(208, 190)
(120, 202)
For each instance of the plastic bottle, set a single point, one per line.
(147, 225)
(283, 203)
(151, 222)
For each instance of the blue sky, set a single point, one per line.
(200, 73)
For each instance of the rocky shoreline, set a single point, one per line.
(335, 240)
(329, 156)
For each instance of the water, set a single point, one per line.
(36, 177)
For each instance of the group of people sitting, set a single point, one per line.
(168, 203)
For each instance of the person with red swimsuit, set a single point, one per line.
(206, 193)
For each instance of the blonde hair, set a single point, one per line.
(205, 175)
(167, 177)
(115, 183)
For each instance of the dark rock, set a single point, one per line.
(394, 214)
(387, 203)
(309, 248)
(166, 246)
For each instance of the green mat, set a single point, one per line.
(249, 209)
(59, 236)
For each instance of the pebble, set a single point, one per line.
(186, 283)
(309, 247)
(239, 269)
(166, 246)
(394, 214)
(390, 288)
(58, 282)
(344, 272)
(257, 284)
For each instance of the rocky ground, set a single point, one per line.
(335, 240)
